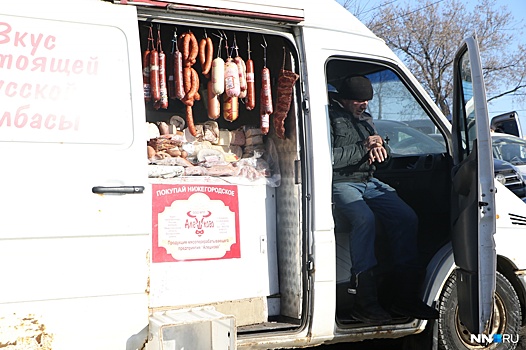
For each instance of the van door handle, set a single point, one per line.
(117, 189)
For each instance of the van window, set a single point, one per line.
(397, 115)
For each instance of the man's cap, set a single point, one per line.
(357, 88)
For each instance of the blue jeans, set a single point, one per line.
(361, 203)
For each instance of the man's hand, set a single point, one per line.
(373, 145)
(377, 154)
(372, 142)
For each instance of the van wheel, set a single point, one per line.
(452, 335)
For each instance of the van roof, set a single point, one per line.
(326, 14)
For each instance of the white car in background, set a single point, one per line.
(511, 149)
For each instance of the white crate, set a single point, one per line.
(198, 328)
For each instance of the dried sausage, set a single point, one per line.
(154, 75)
(178, 75)
(163, 101)
(265, 107)
(146, 75)
(250, 102)
(266, 94)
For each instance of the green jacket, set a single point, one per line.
(349, 156)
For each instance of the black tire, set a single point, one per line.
(452, 335)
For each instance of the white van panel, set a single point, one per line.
(71, 118)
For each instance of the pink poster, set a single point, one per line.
(195, 222)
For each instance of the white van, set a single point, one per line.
(222, 237)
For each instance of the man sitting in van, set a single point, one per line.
(362, 199)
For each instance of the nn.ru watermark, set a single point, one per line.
(494, 338)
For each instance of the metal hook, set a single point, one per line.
(226, 43)
(264, 51)
(175, 48)
(219, 45)
(235, 45)
(248, 45)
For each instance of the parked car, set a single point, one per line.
(408, 139)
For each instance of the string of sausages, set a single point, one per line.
(175, 78)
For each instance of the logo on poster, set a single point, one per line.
(197, 221)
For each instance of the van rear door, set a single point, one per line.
(75, 225)
(473, 197)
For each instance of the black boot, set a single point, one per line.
(407, 301)
(366, 307)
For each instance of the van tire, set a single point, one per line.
(453, 336)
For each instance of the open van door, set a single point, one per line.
(473, 197)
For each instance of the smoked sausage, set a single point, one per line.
(250, 101)
(163, 90)
(265, 107)
(146, 75)
(206, 54)
(190, 121)
(191, 86)
(154, 75)
(178, 75)
(266, 94)
(190, 49)
(242, 70)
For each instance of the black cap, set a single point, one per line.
(356, 88)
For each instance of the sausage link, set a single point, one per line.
(250, 102)
(154, 75)
(190, 121)
(242, 70)
(178, 75)
(146, 76)
(193, 86)
(191, 47)
(265, 123)
(209, 56)
(202, 52)
(266, 94)
(162, 81)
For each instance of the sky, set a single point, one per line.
(516, 7)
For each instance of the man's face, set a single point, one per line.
(355, 107)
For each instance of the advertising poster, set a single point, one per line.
(195, 222)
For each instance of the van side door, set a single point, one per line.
(473, 197)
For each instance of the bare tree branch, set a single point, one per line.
(426, 34)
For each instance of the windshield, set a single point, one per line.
(509, 149)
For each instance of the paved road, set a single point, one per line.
(395, 344)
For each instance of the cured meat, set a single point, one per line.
(286, 81)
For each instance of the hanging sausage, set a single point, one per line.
(265, 103)
(286, 81)
(250, 100)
